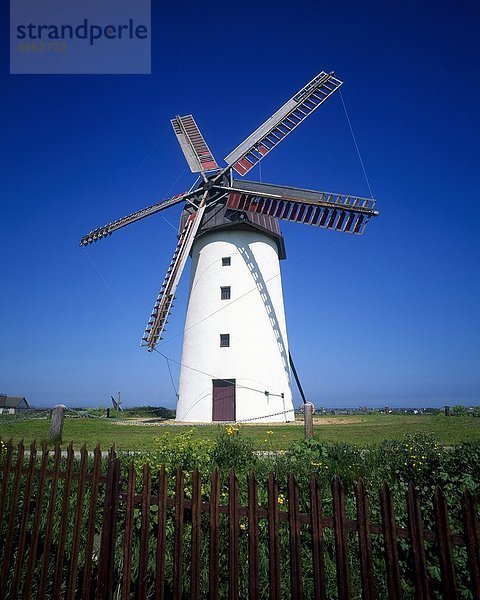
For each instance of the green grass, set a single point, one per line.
(355, 429)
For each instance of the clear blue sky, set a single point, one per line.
(391, 317)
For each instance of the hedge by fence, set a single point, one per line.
(85, 527)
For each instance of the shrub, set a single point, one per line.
(232, 450)
(179, 450)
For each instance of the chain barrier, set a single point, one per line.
(283, 412)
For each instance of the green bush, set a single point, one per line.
(459, 410)
(232, 450)
(415, 458)
(177, 451)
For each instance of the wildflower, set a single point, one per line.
(281, 499)
(316, 464)
(269, 432)
(243, 526)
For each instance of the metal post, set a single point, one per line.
(308, 417)
(56, 423)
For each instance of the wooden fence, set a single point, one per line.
(77, 528)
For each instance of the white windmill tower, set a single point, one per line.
(235, 359)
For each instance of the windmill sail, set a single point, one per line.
(163, 304)
(284, 121)
(193, 145)
(106, 230)
(322, 209)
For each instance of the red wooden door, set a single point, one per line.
(223, 396)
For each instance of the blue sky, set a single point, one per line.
(391, 317)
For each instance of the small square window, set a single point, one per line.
(225, 293)
(224, 340)
(226, 261)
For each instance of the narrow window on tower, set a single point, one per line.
(225, 293)
(226, 261)
(224, 340)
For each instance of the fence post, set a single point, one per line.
(178, 537)
(144, 533)
(365, 542)
(316, 525)
(415, 528)
(196, 533)
(62, 534)
(295, 540)
(26, 496)
(389, 529)
(308, 418)
(341, 539)
(56, 422)
(273, 538)
(444, 545)
(109, 523)
(214, 536)
(7, 556)
(472, 538)
(161, 534)
(92, 516)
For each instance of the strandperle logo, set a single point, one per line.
(80, 37)
(83, 31)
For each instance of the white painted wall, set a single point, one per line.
(255, 319)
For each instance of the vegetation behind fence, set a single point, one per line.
(87, 526)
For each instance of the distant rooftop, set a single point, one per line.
(12, 401)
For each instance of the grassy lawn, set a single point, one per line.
(355, 429)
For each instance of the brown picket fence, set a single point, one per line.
(75, 527)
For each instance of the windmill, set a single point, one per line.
(235, 358)
(117, 404)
